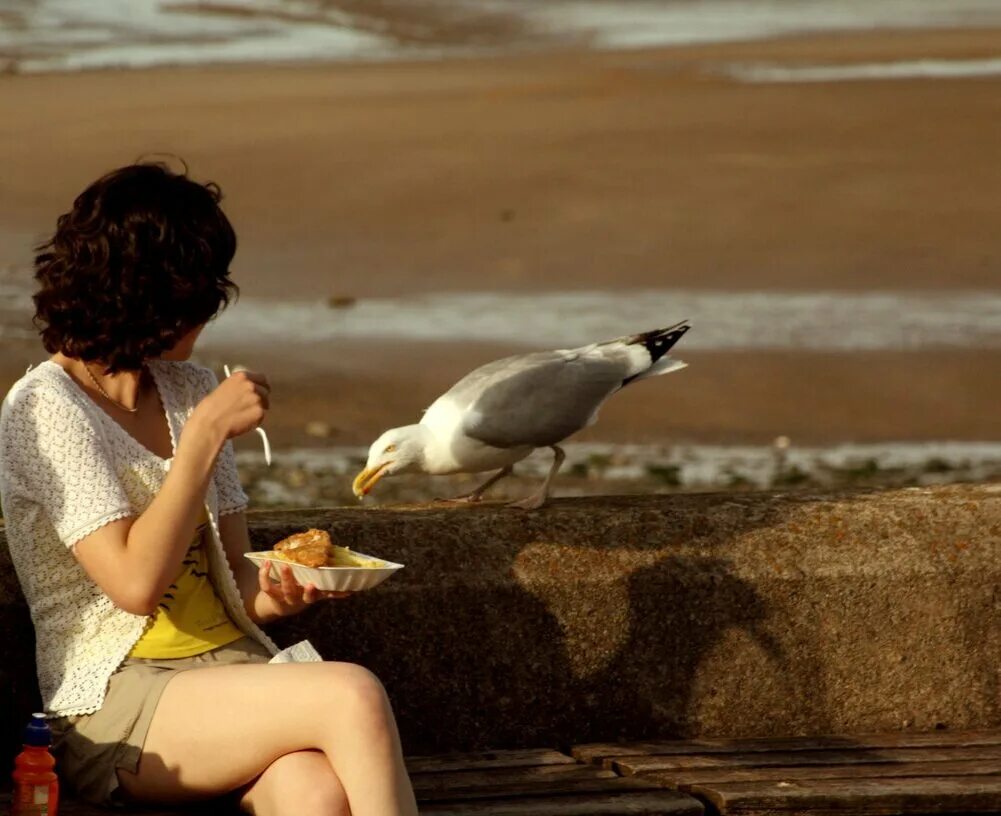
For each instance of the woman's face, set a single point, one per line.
(185, 346)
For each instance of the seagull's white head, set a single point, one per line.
(399, 450)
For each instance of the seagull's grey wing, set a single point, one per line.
(471, 387)
(536, 399)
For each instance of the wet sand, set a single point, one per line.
(719, 398)
(560, 171)
(569, 171)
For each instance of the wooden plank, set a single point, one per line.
(628, 766)
(860, 797)
(487, 759)
(507, 781)
(664, 803)
(553, 787)
(683, 780)
(598, 751)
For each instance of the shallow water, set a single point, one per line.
(835, 321)
(721, 320)
(61, 35)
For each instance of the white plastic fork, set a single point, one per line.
(263, 435)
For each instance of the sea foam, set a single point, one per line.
(908, 69)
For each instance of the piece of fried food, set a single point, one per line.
(311, 548)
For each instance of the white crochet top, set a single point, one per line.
(67, 469)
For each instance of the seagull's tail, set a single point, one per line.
(657, 343)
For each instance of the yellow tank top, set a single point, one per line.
(190, 618)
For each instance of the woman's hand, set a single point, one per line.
(287, 597)
(236, 406)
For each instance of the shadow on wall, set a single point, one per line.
(982, 643)
(590, 621)
(682, 611)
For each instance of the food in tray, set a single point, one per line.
(313, 548)
(309, 548)
(343, 557)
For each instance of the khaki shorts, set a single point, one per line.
(90, 748)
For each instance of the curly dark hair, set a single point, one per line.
(140, 260)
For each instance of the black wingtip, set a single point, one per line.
(660, 341)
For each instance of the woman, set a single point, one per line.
(125, 520)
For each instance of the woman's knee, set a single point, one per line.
(298, 784)
(325, 796)
(356, 684)
(358, 692)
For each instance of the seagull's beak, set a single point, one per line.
(366, 480)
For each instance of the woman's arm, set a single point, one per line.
(236, 542)
(135, 560)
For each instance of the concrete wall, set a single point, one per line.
(634, 617)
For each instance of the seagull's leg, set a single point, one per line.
(536, 500)
(476, 495)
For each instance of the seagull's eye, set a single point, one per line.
(390, 449)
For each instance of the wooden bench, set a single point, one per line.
(940, 772)
(900, 773)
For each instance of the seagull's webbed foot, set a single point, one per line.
(533, 502)
(477, 495)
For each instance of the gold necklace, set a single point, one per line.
(108, 396)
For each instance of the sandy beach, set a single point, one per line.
(725, 398)
(568, 171)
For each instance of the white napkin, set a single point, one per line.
(301, 652)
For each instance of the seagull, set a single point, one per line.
(501, 412)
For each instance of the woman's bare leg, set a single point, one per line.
(299, 784)
(217, 729)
